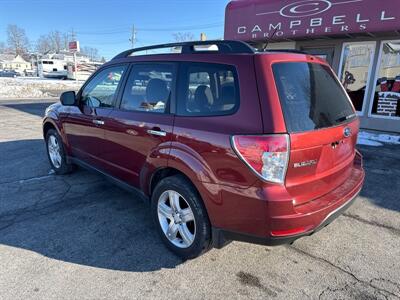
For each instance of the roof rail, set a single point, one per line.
(287, 51)
(190, 47)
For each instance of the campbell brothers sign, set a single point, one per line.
(276, 19)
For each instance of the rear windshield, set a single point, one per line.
(311, 96)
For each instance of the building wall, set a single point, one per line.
(282, 45)
(17, 66)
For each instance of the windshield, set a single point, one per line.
(311, 96)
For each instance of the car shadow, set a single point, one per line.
(83, 219)
(382, 168)
(33, 108)
(79, 218)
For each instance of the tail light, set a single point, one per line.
(266, 155)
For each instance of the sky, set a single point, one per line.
(107, 24)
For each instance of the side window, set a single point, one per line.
(207, 90)
(101, 89)
(148, 88)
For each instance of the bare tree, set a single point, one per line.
(43, 44)
(91, 52)
(183, 36)
(17, 40)
(65, 41)
(56, 40)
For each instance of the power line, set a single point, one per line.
(126, 42)
(154, 29)
(103, 32)
(182, 28)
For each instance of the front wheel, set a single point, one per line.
(180, 217)
(56, 153)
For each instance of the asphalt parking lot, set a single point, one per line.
(80, 237)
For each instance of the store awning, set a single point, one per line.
(260, 20)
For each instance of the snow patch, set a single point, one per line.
(374, 139)
(367, 142)
(31, 87)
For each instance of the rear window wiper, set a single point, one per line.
(345, 118)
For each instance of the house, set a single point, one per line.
(16, 63)
(12, 62)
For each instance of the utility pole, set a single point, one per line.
(133, 36)
(73, 39)
(73, 35)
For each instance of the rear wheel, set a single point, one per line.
(180, 217)
(56, 153)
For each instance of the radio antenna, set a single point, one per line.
(269, 39)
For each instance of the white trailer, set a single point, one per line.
(52, 68)
(83, 70)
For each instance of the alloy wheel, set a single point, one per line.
(176, 219)
(54, 151)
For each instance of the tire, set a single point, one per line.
(56, 153)
(178, 187)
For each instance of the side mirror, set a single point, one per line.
(68, 98)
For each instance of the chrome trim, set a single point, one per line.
(156, 132)
(98, 122)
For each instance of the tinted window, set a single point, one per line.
(207, 89)
(101, 89)
(311, 96)
(148, 88)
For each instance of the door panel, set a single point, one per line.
(136, 141)
(84, 123)
(84, 136)
(139, 133)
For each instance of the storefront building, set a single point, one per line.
(359, 38)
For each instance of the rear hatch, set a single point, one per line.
(322, 127)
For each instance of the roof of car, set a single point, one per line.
(213, 47)
(216, 46)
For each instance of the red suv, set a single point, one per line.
(226, 143)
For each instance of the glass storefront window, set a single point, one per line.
(386, 101)
(356, 64)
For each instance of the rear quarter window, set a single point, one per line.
(311, 96)
(207, 90)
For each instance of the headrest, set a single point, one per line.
(157, 90)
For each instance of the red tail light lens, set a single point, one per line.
(266, 155)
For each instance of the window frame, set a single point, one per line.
(168, 109)
(376, 76)
(116, 94)
(370, 68)
(183, 79)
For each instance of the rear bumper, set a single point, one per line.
(221, 237)
(281, 228)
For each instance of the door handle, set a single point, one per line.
(98, 122)
(156, 132)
